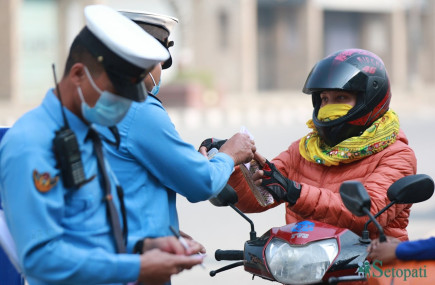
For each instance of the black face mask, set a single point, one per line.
(335, 131)
(353, 124)
(333, 135)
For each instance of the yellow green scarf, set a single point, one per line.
(382, 133)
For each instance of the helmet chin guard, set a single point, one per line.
(352, 70)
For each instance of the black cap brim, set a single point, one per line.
(127, 89)
(167, 63)
(161, 34)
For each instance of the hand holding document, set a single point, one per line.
(263, 197)
(184, 243)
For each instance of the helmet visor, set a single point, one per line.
(335, 74)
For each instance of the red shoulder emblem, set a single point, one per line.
(43, 181)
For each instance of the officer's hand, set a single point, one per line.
(280, 187)
(385, 251)
(168, 244)
(194, 246)
(171, 244)
(374, 243)
(240, 147)
(157, 267)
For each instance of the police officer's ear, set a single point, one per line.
(77, 74)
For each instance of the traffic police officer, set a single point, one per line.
(58, 194)
(153, 163)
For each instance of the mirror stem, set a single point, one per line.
(383, 210)
(365, 233)
(382, 237)
(252, 234)
(365, 237)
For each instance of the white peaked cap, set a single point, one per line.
(126, 52)
(157, 25)
(124, 37)
(164, 21)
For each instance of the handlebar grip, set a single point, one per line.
(228, 255)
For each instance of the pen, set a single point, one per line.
(183, 241)
(179, 237)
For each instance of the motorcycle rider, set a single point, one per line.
(354, 136)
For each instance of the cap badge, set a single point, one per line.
(44, 182)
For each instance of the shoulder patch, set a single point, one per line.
(43, 182)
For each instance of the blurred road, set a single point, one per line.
(275, 122)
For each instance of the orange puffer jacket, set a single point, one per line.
(320, 198)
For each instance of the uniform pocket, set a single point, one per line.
(74, 206)
(84, 208)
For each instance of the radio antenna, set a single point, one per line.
(60, 97)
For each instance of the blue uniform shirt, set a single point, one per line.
(153, 163)
(416, 250)
(62, 235)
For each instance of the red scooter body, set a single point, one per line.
(350, 250)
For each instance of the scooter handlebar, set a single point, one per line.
(228, 255)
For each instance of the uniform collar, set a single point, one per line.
(155, 97)
(52, 104)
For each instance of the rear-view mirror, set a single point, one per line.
(355, 197)
(411, 189)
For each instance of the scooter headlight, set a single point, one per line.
(290, 264)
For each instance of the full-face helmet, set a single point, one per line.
(357, 71)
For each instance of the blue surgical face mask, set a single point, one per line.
(156, 87)
(109, 109)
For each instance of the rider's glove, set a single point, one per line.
(280, 187)
(212, 143)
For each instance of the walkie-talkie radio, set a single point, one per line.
(67, 151)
